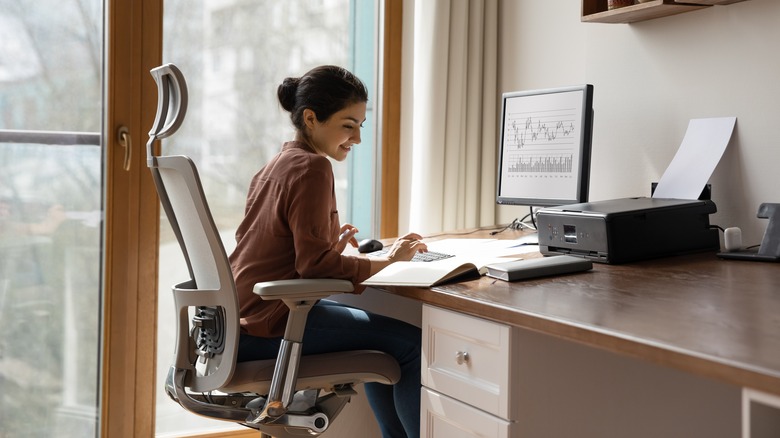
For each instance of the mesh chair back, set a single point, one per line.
(206, 304)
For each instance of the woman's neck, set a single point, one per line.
(303, 138)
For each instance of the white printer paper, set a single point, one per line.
(701, 149)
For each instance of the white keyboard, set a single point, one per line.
(429, 256)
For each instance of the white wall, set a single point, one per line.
(650, 79)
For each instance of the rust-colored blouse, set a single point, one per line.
(289, 230)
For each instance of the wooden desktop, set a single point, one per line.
(713, 319)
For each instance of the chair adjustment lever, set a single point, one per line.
(344, 391)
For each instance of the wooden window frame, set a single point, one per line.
(133, 46)
(391, 117)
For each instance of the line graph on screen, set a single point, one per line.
(541, 141)
(548, 128)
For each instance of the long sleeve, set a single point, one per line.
(289, 230)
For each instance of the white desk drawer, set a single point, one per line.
(468, 359)
(443, 417)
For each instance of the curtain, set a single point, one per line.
(454, 102)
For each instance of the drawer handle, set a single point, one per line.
(461, 357)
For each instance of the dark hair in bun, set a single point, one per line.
(325, 90)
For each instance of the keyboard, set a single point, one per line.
(430, 256)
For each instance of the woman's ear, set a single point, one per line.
(309, 118)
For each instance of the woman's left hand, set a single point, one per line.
(346, 235)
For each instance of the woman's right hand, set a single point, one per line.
(403, 249)
(406, 247)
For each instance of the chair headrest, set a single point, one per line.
(171, 102)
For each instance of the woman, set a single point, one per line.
(291, 230)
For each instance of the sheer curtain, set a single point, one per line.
(454, 127)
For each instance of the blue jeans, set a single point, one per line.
(333, 327)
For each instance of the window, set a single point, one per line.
(50, 217)
(234, 54)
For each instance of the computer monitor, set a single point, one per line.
(544, 148)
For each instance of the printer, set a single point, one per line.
(628, 229)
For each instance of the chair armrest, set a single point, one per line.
(302, 289)
(299, 295)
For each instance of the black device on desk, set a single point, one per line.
(627, 229)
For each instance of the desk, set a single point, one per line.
(710, 318)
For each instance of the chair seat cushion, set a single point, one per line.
(319, 371)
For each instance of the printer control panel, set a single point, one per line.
(578, 235)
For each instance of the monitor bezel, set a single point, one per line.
(585, 148)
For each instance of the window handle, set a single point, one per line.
(123, 136)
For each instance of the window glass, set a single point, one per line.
(234, 54)
(50, 216)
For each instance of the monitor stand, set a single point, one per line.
(769, 250)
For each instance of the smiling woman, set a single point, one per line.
(234, 55)
(335, 136)
(291, 229)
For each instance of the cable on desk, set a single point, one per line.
(511, 224)
(516, 224)
(519, 224)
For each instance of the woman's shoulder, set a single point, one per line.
(300, 156)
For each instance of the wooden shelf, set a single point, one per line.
(595, 11)
(715, 2)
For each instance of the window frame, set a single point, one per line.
(390, 107)
(133, 45)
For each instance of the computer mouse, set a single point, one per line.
(369, 245)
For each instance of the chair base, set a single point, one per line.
(309, 414)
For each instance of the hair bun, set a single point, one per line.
(287, 91)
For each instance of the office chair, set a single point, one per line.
(291, 396)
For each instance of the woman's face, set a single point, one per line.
(335, 136)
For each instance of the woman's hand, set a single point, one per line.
(346, 235)
(406, 247)
(403, 249)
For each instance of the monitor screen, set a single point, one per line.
(544, 146)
